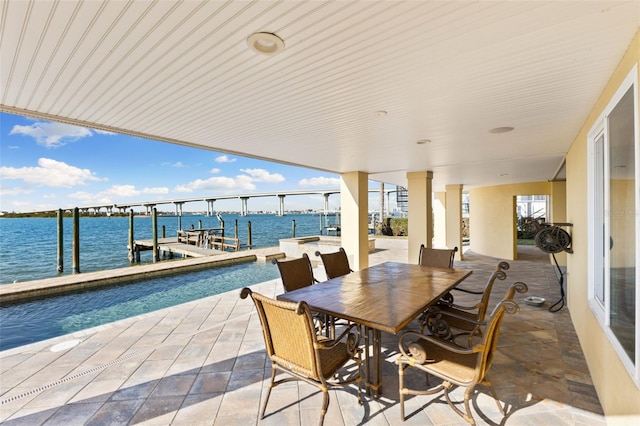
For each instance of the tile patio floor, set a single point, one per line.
(203, 363)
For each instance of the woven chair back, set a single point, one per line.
(289, 334)
(296, 273)
(486, 293)
(335, 264)
(492, 329)
(442, 258)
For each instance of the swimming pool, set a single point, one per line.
(41, 319)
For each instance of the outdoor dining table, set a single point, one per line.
(384, 297)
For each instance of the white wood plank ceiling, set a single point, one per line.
(446, 71)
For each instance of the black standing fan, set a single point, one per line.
(553, 239)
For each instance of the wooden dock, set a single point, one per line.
(199, 242)
(209, 238)
(171, 246)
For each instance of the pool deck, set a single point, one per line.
(203, 363)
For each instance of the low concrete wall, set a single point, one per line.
(294, 247)
(88, 280)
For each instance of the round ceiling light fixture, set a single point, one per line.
(505, 129)
(265, 43)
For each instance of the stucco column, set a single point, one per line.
(440, 219)
(419, 190)
(354, 205)
(453, 209)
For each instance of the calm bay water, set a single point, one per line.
(28, 246)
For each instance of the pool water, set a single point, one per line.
(41, 319)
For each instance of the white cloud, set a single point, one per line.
(262, 175)
(115, 192)
(224, 159)
(218, 183)
(103, 132)
(156, 190)
(6, 192)
(214, 171)
(21, 204)
(224, 184)
(320, 181)
(122, 191)
(50, 173)
(51, 134)
(176, 164)
(83, 195)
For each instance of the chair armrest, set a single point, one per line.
(464, 290)
(415, 353)
(460, 307)
(352, 336)
(436, 313)
(442, 324)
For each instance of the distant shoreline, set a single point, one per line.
(67, 213)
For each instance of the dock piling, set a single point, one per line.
(60, 241)
(75, 267)
(154, 231)
(132, 257)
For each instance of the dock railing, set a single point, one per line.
(208, 238)
(220, 242)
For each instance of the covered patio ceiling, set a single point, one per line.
(357, 85)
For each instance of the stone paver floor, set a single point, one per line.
(203, 363)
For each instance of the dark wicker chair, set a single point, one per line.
(336, 264)
(298, 273)
(442, 258)
(295, 273)
(439, 258)
(294, 347)
(455, 365)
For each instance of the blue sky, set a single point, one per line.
(47, 165)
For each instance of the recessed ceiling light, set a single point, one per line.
(265, 43)
(505, 129)
(423, 141)
(381, 113)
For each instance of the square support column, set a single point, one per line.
(439, 219)
(354, 202)
(453, 207)
(420, 195)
